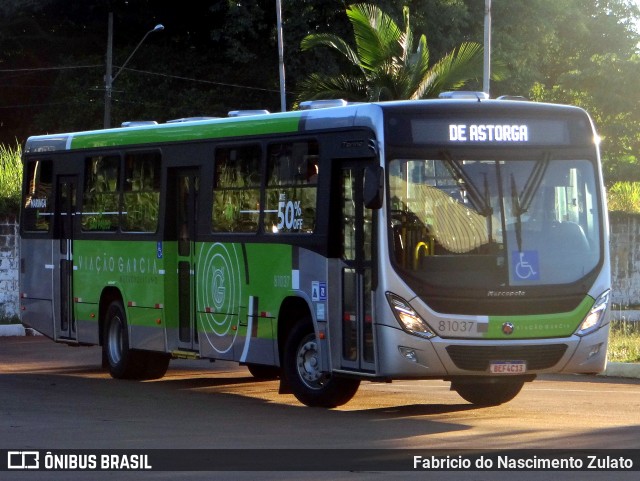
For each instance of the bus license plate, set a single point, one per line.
(508, 367)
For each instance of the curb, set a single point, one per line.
(622, 369)
(13, 330)
(614, 369)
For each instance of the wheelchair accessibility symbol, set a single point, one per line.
(525, 265)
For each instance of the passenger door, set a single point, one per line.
(357, 222)
(183, 201)
(66, 194)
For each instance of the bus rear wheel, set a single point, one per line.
(309, 385)
(488, 392)
(123, 362)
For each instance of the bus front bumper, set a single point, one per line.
(403, 355)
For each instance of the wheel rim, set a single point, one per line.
(114, 340)
(308, 364)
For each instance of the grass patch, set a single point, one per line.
(624, 341)
(9, 320)
(10, 179)
(624, 197)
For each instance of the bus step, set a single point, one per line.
(178, 354)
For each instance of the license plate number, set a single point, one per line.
(508, 367)
(453, 328)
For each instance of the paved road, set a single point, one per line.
(57, 397)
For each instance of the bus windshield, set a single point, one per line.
(494, 223)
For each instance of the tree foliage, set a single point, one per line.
(595, 65)
(220, 55)
(385, 64)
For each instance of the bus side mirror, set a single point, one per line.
(373, 187)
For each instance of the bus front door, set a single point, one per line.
(63, 290)
(357, 271)
(186, 204)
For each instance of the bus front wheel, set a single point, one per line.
(311, 386)
(488, 392)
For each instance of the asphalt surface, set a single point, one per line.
(221, 411)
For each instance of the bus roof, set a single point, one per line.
(357, 114)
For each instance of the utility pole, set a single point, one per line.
(108, 79)
(487, 47)
(283, 96)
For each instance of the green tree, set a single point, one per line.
(587, 56)
(385, 63)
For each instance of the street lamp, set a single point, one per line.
(108, 79)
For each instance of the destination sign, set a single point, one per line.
(491, 131)
(488, 133)
(505, 131)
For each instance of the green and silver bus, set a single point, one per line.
(463, 240)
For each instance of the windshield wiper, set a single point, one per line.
(477, 201)
(533, 182)
(487, 203)
(517, 211)
(521, 203)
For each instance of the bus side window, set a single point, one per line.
(291, 193)
(37, 202)
(141, 197)
(101, 199)
(236, 189)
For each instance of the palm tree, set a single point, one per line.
(386, 65)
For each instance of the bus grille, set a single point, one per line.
(477, 358)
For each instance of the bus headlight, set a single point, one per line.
(594, 319)
(408, 319)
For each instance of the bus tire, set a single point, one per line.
(264, 372)
(122, 361)
(308, 384)
(488, 392)
(155, 364)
